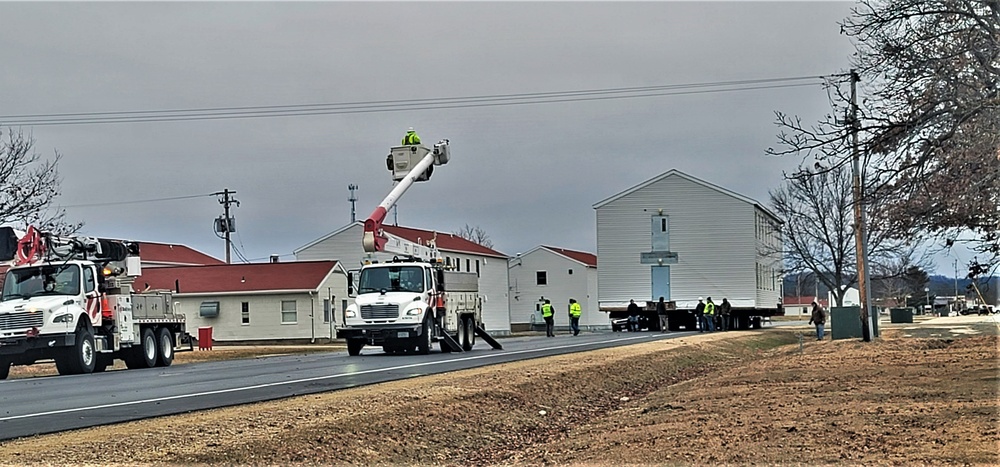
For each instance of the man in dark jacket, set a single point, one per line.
(633, 316)
(699, 314)
(661, 311)
(819, 318)
(724, 309)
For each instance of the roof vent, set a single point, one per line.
(274, 258)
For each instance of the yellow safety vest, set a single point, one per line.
(575, 310)
(546, 310)
(710, 308)
(411, 138)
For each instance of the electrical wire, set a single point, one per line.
(138, 201)
(216, 113)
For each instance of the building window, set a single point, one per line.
(477, 268)
(571, 272)
(541, 278)
(343, 304)
(289, 315)
(447, 261)
(245, 312)
(468, 265)
(326, 310)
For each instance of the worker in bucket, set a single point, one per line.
(411, 138)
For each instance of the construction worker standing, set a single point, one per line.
(710, 314)
(699, 314)
(574, 316)
(549, 319)
(411, 138)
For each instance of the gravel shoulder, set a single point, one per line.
(726, 398)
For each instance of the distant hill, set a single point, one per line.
(940, 286)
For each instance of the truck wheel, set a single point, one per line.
(144, 354)
(426, 340)
(354, 347)
(81, 357)
(165, 352)
(470, 333)
(4, 368)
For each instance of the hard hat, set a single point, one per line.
(700, 299)
(409, 129)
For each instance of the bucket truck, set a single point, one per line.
(69, 299)
(406, 304)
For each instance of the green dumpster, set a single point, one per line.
(901, 315)
(845, 323)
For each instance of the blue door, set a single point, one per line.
(661, 282)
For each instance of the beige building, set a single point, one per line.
(298, 301)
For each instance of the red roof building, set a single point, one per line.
(237, 278)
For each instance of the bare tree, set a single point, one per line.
(29, 185)
(476, 235)
(930, 125)
(819, 232)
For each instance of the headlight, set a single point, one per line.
(414, 312)
(63, 318)
(350, 313)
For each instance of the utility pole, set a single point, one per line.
(860, 232)
(225, 224)
(352, 199)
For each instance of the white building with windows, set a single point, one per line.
(681, 238)
(298, 301)
(557, 274)
(462, 255)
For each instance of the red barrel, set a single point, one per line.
(205, 338)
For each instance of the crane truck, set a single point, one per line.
(69, 299)
(406, 304)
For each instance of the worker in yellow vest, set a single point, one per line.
(574, 316)
(411, 138)
(547, 315)
(709, 315)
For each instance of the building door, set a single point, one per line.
(660, 232)
(661, 282)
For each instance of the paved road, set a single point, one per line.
(58, 403)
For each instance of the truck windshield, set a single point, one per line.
(41, 280)
(391, 279)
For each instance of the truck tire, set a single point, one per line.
(469, 323)
(4, 368)
(81, 357)
(142, 355)
(165, 347)
(354, 347)
(426, 339)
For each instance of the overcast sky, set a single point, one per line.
(527, 174)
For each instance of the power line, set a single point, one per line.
(138, 201)
(217, 113)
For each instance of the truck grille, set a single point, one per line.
(22, 320)
(379, 311)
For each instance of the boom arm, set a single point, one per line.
(374, 239)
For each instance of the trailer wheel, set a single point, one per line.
(426, 340)
(469, 324)
(165, 352)
(4, 368)
(354, 347)
(81, 357)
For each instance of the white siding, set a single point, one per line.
(345, 246)
(769, 256)
(265, 313)
(560, 287)
(711, 231)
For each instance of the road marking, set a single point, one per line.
(315, 378)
